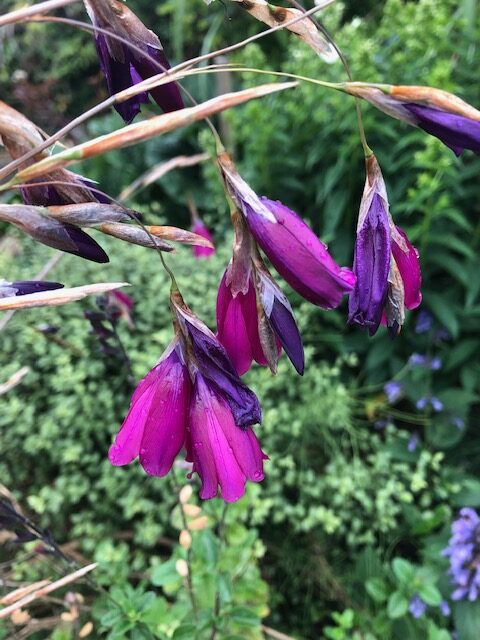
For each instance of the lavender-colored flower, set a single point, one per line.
(385, 263)
(425, 401)
(25, 287)
(393, 390)
(125, 66)
(417, 607)
(424, 322)
(439, 113)
(445, 608)
(416, 360)
(200, 229)
(193, 398)
(464, 552)
(291, 246)
(413, 442)
(458, 422)
(434, 363)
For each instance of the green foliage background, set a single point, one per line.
(349, 523)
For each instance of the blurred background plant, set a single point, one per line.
(372, 453)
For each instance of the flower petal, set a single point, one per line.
(298, 255)
(409, 266)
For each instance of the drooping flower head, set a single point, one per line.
(19, 136)
(385, 263)
(25, 287)
(464, 553)
(439, 113)
(194, 398)
(254, 318)
(124, 66)
(291, 246)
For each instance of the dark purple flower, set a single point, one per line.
(393, 390)
(439, 113)
(25, 287)
(371, 265)
(125, 66)
(457, 132)
(385, 263)
(417, 606)
(464, 552)
(291, 246)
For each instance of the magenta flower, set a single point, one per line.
(251, 330)
(439, 113)
(291, 246)
(124, 66)
(25, 287)
(193, 398)
(222, 454)
(385, 263)
(200, 228)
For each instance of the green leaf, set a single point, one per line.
(404, 571)
(377, 589)
(397, 605)
(442, 309)
(164, 573)
(430, 594)
(466, 616)
(469, 494)
(244, 617)
(185, 632)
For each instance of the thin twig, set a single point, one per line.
(27, 12)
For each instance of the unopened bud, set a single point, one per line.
(185, 493)
(185, 539)
(191, 510)
(198, 523)
(86, 630)
(182, 568)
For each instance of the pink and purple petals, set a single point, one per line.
(409, 267)
(298, 255)
(155, 426)
(456, 131)
(167, 96)
(371, 265)
(214, 364)
(223, 455)
(283, 323)
(25, 287)
(200, 229)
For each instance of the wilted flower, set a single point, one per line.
(464, 553)
(385, 263)
(24, 287)
(417, 606)
(193, 398)
(200, 229)
(442, 114)
(125, 66)
(291, 246)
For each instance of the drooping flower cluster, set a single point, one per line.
(385, 263)
(124, 65)
(194, 398)
(464, 553)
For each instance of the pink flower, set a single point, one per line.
(222, 454)
(202, 252)
(196, 401)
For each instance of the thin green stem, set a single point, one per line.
(363, 139)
